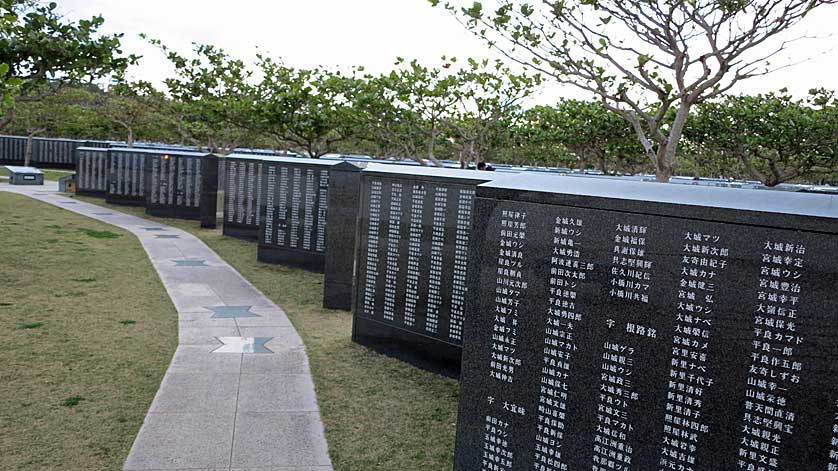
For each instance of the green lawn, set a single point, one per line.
(379, 413)
(85, 340)
(49, 175)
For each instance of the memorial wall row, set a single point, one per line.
(621, 325)
(167, 183)
(182, 185)
(302, 212)
(603, 324)
(413, 241)
(47, 152)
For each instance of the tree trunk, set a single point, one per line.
(472, 156)
(582, 158)
(665, 167)
(130, 138)
(432, 144)
(601, 163)
(27, 153)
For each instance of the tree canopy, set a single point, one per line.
(647, 61)
(643, 103)
(40, 52)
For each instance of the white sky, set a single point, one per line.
(345, 33)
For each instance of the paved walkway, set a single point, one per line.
(238, 393)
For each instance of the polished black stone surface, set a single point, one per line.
(46, 152)
(243, 196)
(91, 171)
(209, 192)
(181, 185)
(640, 326)
(411, 259)
(293, 214)
(342, 220)
(126, 177)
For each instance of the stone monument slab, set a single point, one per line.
(411, 259)
(182, 185)
(91, 171)
(293, 215)
(626, 325)
(126, 176)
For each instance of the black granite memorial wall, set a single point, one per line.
(243, 195)
(46, 152)
(182, 185)
(627, 325)
(12, 149)
(126, 176)
(101, 144)
(91, 171)
(412, 249)
(293, 227)
(344, 202)
(58, 153)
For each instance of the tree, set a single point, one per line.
(60, 114)
(41, 52)
(642, 59)
(212, 97)
(597, 137)
(489, 99)
(34, 120)
(429, 94)
(379, 120)
(774, 137)
(130, 105)
(310, 109)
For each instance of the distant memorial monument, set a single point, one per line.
(643, 326)
(126, 175)
(243, 193)
(410, 276)
(92, 171)
(182, 185)
(294, 209)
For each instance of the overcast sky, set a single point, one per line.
(345, 33)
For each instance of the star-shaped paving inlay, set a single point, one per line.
(166, 236)
(154, 229)
(190, 263)
(230, 312)
(243, 345)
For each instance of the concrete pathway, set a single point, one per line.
(238, 394)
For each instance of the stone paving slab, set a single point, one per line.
(259, 435)
(218, 411)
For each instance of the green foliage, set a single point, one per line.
(134, 106)
(773, 138)
(30, 325)
(649, 62)
(470, 110)
(40, 51)
(422, 112)
(72, 401)
(99, 234)
(596, 137)
(308, 109)
(488, 106)
(212, 98)
(429, 95)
